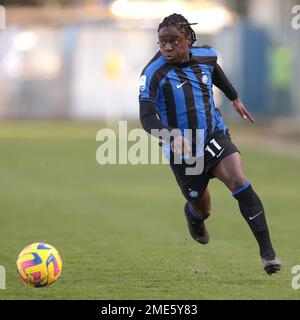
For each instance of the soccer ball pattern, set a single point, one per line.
(39, 265)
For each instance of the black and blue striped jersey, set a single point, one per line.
(183, 93)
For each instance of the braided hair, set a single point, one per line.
(181, 23)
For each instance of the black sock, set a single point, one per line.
(253, 212)
(194, 216)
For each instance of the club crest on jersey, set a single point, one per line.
(143, 83)
(205, 78)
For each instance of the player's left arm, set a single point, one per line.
(220, 80)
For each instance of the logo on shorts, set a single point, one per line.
(193, 194)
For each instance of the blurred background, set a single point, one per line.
(82, 59)
(70, 68)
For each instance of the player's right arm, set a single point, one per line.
(150, 118)
(150, 121)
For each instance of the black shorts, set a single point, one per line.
(218, 147)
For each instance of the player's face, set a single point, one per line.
(173, 44)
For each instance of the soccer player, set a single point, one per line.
(176, 94)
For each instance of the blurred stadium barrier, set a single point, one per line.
(85, 62)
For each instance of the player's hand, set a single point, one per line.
(240, 108)
(180, 145)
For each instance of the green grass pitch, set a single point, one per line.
(121, 230)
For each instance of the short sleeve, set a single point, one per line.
(148, 86)
(205, 54)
